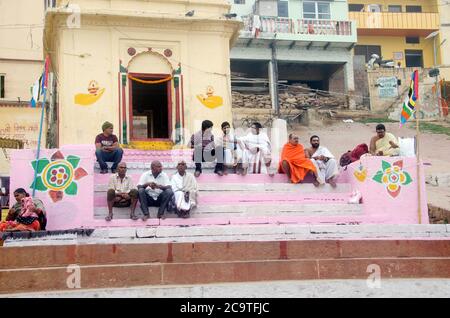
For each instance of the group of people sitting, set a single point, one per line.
(177, 194)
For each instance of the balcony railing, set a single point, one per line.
(297, 26)
(396, 20)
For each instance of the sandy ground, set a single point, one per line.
(434, 148)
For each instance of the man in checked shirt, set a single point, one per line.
(122, 192)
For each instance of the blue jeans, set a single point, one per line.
(103, 157)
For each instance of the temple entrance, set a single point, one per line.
(150, 108)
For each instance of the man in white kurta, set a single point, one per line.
(232, 149)
(324, 161)
(184, 187)
(257, 151)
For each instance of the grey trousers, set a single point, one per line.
(146, 201)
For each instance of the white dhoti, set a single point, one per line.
(257, 154)
(233, 156)
(325, 169)
(181, 203)
(185, 192)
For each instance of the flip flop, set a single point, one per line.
(109, 218)
(134, 217)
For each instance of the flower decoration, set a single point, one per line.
(393, 177)
(58, 176)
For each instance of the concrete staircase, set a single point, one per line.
(110, 265)
(234, 199)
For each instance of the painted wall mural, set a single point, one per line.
(58, 176)
(392, 177)
(210, 100)
(94, 94)
(360, 173)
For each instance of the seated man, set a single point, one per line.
(257, 151)
(232, 152)
(154, 190)
(184, 187)
(295, 164)
(107, 149)
(204, 149)
(27, 214)
(121, 192)
(384, 144)
(324, 161)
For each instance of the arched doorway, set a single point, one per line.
(150, 97)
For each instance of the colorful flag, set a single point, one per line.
(40, 86)
(409, 104)
(36, 92)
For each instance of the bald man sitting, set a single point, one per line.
(154, 190)
(121, 192)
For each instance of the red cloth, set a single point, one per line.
(359, 151)
(15, 226)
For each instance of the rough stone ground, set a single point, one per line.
(389, 288)
(435, 148)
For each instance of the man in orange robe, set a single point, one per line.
(295, 164)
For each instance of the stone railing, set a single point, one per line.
(298, 26)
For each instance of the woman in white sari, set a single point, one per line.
(257, 151)
(184, 187)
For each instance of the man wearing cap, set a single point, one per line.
(107, 149)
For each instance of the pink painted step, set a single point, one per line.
(257, 198)
(214, 178)
(133, 155)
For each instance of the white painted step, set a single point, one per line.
(261, 187)
(228, 211)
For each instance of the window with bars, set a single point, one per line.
(283, 8)
(49, 4)
(239, 1)
(413, 8)
(316, 10)
(395, 8)
(353, 7)
(367, 50)
(412, 39)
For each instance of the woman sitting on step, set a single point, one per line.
(27, 214)
(184, 187)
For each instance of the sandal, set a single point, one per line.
(134, 217)
(109, 218)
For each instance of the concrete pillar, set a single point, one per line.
(271, 85)
(350, 83)
(273, 79)
(278, 138)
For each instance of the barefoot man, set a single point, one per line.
(324, 161)
(295, 164)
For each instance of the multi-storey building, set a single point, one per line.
(297, 41)
(401, 30)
